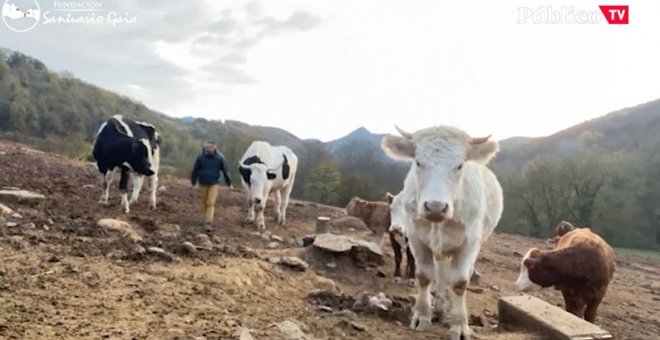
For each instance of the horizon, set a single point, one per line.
(321, 69)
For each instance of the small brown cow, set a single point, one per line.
(581, 265)
(377, 217)
(562, 228)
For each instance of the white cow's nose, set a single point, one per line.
(435, 211)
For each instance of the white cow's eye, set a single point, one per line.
(459, 167)
(419, 164)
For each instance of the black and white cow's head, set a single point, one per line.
(138, 155)
(259, 177)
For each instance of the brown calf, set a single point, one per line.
(581, 265)
(376, 215)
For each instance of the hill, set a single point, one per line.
(64, 276)
(601, 173)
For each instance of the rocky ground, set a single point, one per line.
(65, 275)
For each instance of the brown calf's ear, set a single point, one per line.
(398, 147)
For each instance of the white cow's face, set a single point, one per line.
(438, 156)
(260, 182)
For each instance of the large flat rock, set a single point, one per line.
(346, 244)
(553, 322)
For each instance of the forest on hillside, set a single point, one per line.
(609, 184)
(59, 113)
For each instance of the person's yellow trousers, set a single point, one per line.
(208, 194)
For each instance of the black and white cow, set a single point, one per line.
(267, 169)
(123, 145)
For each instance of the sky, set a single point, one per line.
(321, 69)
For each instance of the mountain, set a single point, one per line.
(627, 129)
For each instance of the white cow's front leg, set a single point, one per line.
(107, 180)
(461, 268)
(421, 319)
(154, 189)
(285, 202)
(138, 180)
(278, 206)
(441, 280)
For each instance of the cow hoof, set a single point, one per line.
(459, 332)
(411, 282)
(420, 323)
(153, 207)
(397, 280)
(261, 226)
(103, 202)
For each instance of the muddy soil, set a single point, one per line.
(64, 277)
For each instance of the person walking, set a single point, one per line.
(209, 166)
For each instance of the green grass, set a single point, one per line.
(654, 254)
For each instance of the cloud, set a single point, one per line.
(207, 44)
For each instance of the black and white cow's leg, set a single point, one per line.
(261, 207)
(123, 188)
(421, 319)
(285, 201)
(154, 189)
(250, 214)
(460, 269)
(138, 181)
(278, 206)
(107, 180)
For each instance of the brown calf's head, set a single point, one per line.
(533, 274)
(356, 207)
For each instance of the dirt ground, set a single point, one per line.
(63, 277)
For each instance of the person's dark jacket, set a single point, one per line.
(207, 170)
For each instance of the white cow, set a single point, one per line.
(454, 203)
(11, 11)
(267, 169)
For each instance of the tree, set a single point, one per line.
(323, 183)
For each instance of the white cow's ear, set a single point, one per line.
(484, 152)
(398, 147)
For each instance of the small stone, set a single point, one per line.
(347, 313)
(266, 235)
(243, 333)
(273, 245)
(274, 260)
(204, 242)
(11, 224)
(50, 221)
(358, 326)
(517, 253)
(380, 273)
(276, 238)
(295, 263)
(495, 288)
(188, 248)
(160, 252)
(29, 226)
(16, 216)
(325, 309)
(45, 227)
(5, 210)
(54, 259)
(331, 265)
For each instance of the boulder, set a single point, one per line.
(120, 226)
(14, 195)
(343, 244)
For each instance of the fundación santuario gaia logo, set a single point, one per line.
(24, 15)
